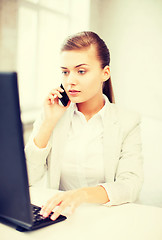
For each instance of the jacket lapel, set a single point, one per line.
(111, 142)
(59, 139)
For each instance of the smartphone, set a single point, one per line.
(65, 99)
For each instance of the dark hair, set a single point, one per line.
(84, 40)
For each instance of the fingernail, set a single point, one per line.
(53, 217)
(45, 214)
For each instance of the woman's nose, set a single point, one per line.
(71, 79)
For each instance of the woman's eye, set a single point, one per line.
(81, 71)
(64, 72)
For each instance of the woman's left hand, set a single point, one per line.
(62, 200)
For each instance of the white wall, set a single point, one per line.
(133, 33)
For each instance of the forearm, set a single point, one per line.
(74, 198)
(43, 136)
(95, 194)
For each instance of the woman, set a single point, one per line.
(90, 149)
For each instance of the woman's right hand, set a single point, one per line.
(52, 113)
(52, 109)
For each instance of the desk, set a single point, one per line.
(90, 221)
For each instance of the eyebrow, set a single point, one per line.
(82, 64)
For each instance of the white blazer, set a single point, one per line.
(122, 154)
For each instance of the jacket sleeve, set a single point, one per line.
(36, 157)
(129, 172)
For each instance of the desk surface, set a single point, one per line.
(124, 222)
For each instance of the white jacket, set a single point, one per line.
(122, 154)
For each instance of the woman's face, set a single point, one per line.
(82, 74)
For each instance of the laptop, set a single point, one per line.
(15, 205)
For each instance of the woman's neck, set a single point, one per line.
(91, 107)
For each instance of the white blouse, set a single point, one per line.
(82, 164)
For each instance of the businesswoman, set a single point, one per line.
(90, 149)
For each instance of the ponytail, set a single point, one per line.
(108, 90)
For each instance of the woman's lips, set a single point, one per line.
(74, 92)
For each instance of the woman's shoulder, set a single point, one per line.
(127, 118)
(123, 112)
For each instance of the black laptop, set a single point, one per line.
(15, 205)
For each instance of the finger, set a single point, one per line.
(58, 94)
(58, 90)
(50, 98)
(46, 210)
(50, 205)
(54, 93)
(59, 210)
(53, 98)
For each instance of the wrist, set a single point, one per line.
(49, 124)
(95, 194)
(43, 136)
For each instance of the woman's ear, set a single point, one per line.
(106, 73)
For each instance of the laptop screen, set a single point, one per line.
(14, 193)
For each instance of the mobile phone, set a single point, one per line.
(65, 99)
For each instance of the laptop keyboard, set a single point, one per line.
(39, 221)
(37, 218)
